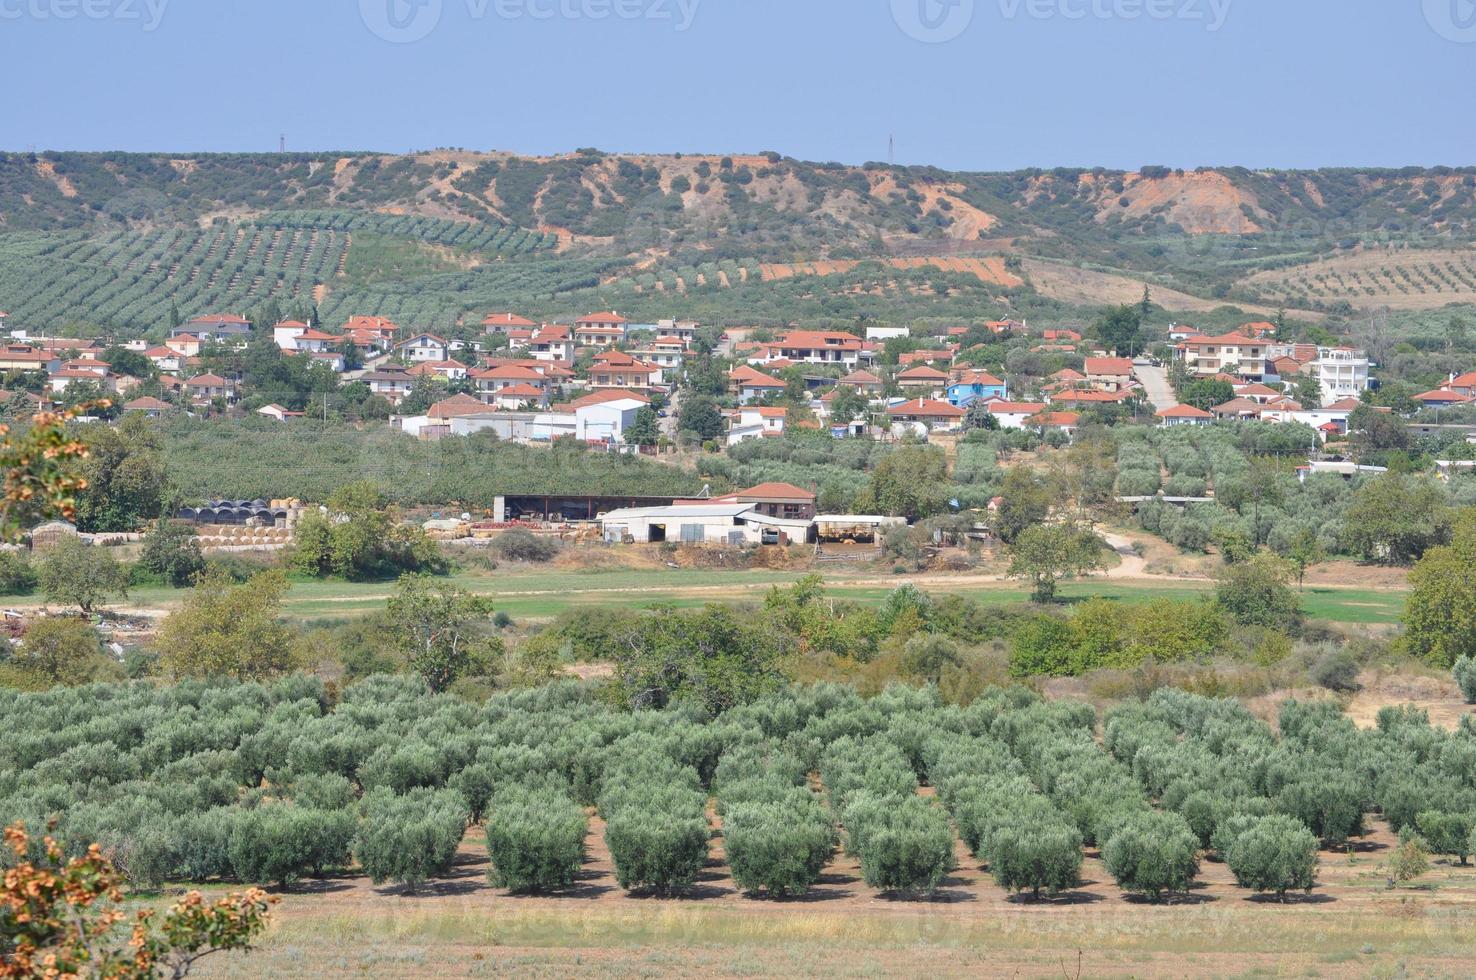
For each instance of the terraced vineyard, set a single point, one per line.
(129, 279)
(1407, 279)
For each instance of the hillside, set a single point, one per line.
(113, 239)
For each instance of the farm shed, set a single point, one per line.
(46, 536)
(854, 527)
(733, 524)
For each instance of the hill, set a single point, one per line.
(113, 239)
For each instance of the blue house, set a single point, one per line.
(974, 386)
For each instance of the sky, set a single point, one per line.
(959, 84)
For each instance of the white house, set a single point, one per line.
(1014, 415)
(424, 347)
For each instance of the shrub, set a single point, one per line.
(523, 545)
(1153, 853)
(1465, 675)
(1274, 854)
(17, 577)
(1336, 670)
(535, 840)
(1041, 858)
(778, 846)
(407, 839)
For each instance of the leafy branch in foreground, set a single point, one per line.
(41, 478)
(62, 919)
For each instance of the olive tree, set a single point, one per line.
(1037, 857)
(778, 846)
(407, 839)
(1465, 675)
(1153, 853)
(535, 840)
(1447, 833)
(1274, 854)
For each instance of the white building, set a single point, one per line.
(732, 524)
(1342, 371)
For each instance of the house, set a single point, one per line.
(922, 411)
(551, 344)
(864, 382)
(503, 322)
(371, 333)
(915, 357)
(285, 334)
(757, 422)
(1066, 422)
(598, 336)
(605, 415)
(217, 327)
(1234, 354)
(314, 341)
(24, 357)
(1002, 327)
(514, 397)
(1183, 415)
(450, 369)
(601, 325)
(184, 344)
(275, 411)
(1013, 415)
(490, 381)
(148, 406)
(667, 353)
(750, 384)
(815, 347)
(207, 387)
(436, 422)
(1080, 398)
(1180, 331)
(332, 359)
(923, 379)
(1442, 398)
(1238, 408)
(67, 376)
(972, 386)
(1342, 372)
(685, 330)
(1462, 384)
(424, 347)
(1061, 337)
(1257, 392)
(390, 383)
(1109, 373)
(778, 500)
(617, 369)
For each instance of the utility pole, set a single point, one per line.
(282, 143)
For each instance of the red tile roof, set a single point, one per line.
(1183, 412)
(926, 408)
(776, 491)
(1109, 366)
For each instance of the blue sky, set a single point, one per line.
(1116, 83)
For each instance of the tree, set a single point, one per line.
(63, 650)
(1153, 853)
(229, 630)
(362, 539)
(1465, 675)
(978, 416)
(1395, 518)
(778, 846)
(125, 476)
(1305, 551)
(1025, 501)
(714, 656)
(909, 482)
(1205, 393)
(645, 430)
(1308, 392)
(1372, 430)
(1046, 553)
(171, 551)
(1120, 329)
(535, 840)
(441, 630)
(62, 918)
(1037, 857)
(74, 573)
(1447, 833)
(1274, 854)
(407, 839)
(1440, 613)
(129, 362)
(700, 416)
(1258, 593)
(848, 405)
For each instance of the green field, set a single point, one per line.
(528, 593)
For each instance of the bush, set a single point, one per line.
(407, 839)
(1330, 804)
(1274, 854)
(1039, 857)
(17, 577)
(1465, 675)
(519, 544)
(1336, 670)
(778, 846)
(535, 840)
(1153, 853)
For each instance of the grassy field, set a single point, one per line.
(1353, 925)
(537, 593)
